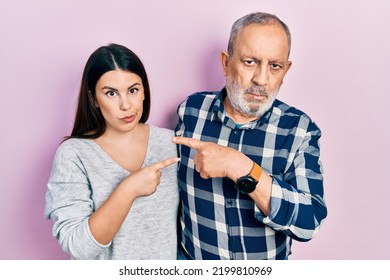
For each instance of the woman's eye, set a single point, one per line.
(133, 90)
(111, 93)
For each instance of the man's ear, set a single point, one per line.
(289, 63)
(224, 61)
(287, 67)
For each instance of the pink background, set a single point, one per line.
(340, 77)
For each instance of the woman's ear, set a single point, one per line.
(93, 99)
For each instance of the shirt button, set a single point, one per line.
(235, 132)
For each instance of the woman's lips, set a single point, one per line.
(128, 119)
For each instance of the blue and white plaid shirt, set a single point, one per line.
(217, 221)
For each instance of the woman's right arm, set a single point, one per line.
(82, 232)
(69, 205)
(106, 221)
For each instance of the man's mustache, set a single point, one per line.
(257, 90)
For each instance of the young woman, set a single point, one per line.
(112, 192)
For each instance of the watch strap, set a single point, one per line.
(256, 171)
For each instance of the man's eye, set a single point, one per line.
(249, 62)
(276, 66)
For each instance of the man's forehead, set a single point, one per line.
(265, 32)
(259, 40)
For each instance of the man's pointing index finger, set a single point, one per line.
(189, 142)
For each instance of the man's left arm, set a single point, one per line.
(297, 206)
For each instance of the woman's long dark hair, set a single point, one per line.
(89, 122)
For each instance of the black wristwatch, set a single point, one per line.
(248, 183)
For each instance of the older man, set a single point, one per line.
(250, 175)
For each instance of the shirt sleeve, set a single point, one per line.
(69, 205)
(179, 129)
(297, 201)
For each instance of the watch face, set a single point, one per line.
(246, 185)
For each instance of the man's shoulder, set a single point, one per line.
(204, 94)
(287, 110)
(197, 99)
(290, 114)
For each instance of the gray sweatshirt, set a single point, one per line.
(83, 177)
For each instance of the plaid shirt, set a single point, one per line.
(217, 221)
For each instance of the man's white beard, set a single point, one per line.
(238, 101)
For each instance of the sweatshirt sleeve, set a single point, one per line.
(69, 205)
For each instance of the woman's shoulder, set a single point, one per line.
(160, 140)
(161, 132)
(73, 143)
(72, 147)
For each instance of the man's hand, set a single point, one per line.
(215, 161)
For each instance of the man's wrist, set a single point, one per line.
(240, 168)
(248, 183)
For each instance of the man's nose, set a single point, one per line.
(261, 75)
